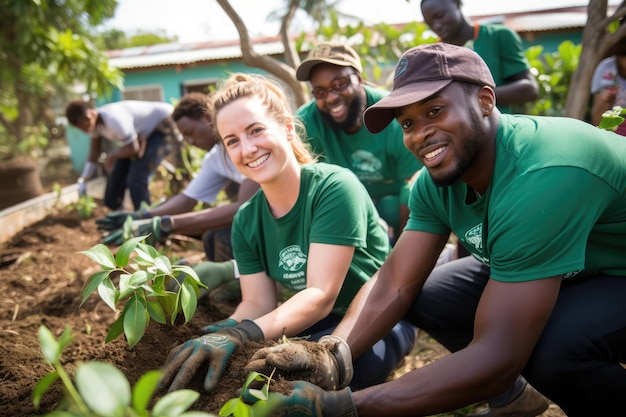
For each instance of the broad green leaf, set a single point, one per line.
(187, 270)
(116, 329)
(42, 386)
(92, 283)
(163, 264)
(104, 388)
(49, 345)
(188, 300)
(175, 403)
(126, 288)
(108, 293)
(236, 407)
(65, 339)
(123, 253)
(138, 278)
(150, 250)
(156, 311)
(135, 320)
(102, 255)
(144, 390)
(169, 303)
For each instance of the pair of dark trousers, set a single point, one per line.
(135, 174)
(576, 362)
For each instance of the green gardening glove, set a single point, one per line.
(305, 400)
(215, 274)
(212, 350)
(115, 220)
(158, 228)
(215, 327)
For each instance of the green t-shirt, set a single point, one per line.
(556, 204)
(501, 49)
(332, 208)
(380, 161)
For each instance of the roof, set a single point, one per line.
(188, 53)
(191, 53)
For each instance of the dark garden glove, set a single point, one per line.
(213, 349)
(116, 219)
(305, 400)
(158, 228)
(329, 368)
(215, 327)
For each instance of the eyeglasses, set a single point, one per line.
(336, 86)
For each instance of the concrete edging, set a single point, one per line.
(16, 218)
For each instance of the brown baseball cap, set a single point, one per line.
(423, 71)
(335, 53)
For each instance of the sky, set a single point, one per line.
(202, 20)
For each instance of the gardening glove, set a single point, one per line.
(213, 349)
(215, 327)
(305, 400)
(82, 187)
(116, 219)
(158, 228)
(329, 368)
(211, 274)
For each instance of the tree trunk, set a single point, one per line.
(19, 181)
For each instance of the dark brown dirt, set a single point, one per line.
(41, 276)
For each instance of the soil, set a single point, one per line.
(41, 276)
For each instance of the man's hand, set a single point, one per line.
(214, 350)
(115, 220)
(306, 400)
(158, 228)
(328, 364)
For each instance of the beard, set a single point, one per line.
(464, 159)
(353, 118)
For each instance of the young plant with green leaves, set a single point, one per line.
(102, 390)
(611, 119)
(144, 279)
(239, 407)
(84, 206)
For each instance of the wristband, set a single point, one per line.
(166, 224)
(343, 358)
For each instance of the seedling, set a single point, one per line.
(611, 119)
(85, 206)
(143, 277)
(102, 390)
(238, 407)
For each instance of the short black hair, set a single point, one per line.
(192, 105)
(76, 111)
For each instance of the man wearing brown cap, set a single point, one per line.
(540, 203)
(335, 130)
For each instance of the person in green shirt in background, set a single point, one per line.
(498, 45)
(335, 130)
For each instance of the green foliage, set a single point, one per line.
(85, 206)
(238, 407)
(103, 390)
(45, 47)
(142, 276)
(553, 72)
(379, 46)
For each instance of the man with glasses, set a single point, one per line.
(335, 130)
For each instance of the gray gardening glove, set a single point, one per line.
(329, 368)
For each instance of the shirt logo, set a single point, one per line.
(291, 258)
